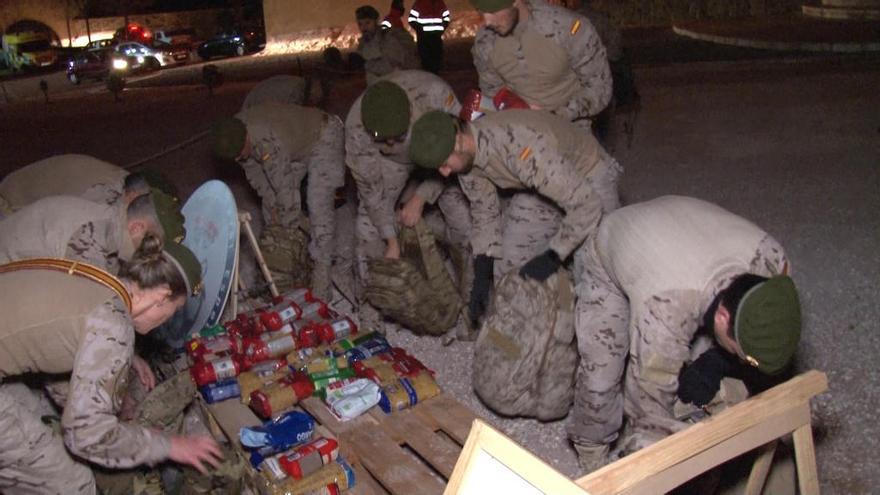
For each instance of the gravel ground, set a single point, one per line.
(793, 146)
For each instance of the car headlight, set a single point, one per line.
(120, 63)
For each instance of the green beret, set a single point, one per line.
(227, 138)
(187, 264)
(169, 215)
(158, 180)
(385, 110)
(767, 325)
(432, 139)
(491, 6)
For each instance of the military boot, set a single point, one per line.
(591, 456)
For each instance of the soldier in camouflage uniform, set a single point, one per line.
(277, 145)
(656, 271)
(75, 175)
(65, 318)
(515, 150)
(376, 143)
(554, 60)
(294, 90)
(383, 50)
(80, 230)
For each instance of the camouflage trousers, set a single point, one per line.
(33, 459)
(530, 220)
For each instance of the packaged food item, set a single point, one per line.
(407, 392)
(322, 379)
(348, 400)
(404, 364)
(311, 457)
(207, 372)
(314, 310)
(283, 432)
(323, 364)
(364, 349)
(299, 358)
(333, 330)
(424, 385)
(299, 296)
(337, 473)
(270, 468)
(282, 394)
(260, 376)
(220, 391)
(213, 331)
(376, 369)
(257, 349)
(279, 314)
(202, 349)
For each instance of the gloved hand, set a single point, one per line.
(542, 266)
(483, 279)
(700, 381)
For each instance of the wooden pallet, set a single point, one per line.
(409, 452)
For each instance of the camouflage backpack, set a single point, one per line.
(286, 252)
(525, 357)
(415, 290)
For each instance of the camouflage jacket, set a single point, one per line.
(276, 89)
(387, 51)
(64, 175)
(368, 159)
(554, 60)
(281, 136)
(69, 325)
(670, 257)
(529, 149)
(68, 227)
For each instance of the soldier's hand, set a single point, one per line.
(483, 279)
(542, 266)
(412, 210)
(700, 381)
(144, 372)
(195, 451)
(392, 249)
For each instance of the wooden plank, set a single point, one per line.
(232, 416)
(395, 470)
(649, 463)
(365, 484)
(449, 415)
(760, 469)
(406, 427)
(703, 461)
(805, 457)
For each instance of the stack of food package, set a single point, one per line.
(295, 348)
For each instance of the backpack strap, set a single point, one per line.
(74, 268)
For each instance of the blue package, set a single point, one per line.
(220, 391)
(277, 435)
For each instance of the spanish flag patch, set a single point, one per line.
(265, 157)
(575, 27)
(525, 153)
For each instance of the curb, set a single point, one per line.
(779, 45)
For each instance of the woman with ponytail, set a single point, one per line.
(68, 318)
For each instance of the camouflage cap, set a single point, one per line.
(187, 264)
(227, 138)
(767, 325)
(432, 139)
(491, 6)
(169, 215)
(385, 110)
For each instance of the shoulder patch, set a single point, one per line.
(525, 153)
(575, 27)
(265, 157)
(450, 99)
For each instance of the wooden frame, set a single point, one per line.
(489, 459)
(746, 426)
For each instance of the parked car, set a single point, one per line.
(223, 45)
(174, 54)
(184, 36)
(93, 64)
(100, 44)
(132, 57)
